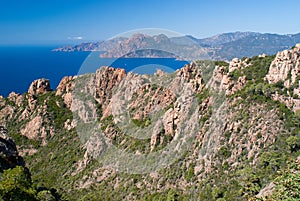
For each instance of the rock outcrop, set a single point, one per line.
(221, 80)
(31, 118)
(36, 128)
(39, 86)
(237, 64)
(286, 68)
(9, 156)
(16, 98)
(192, 74)
(65, 88)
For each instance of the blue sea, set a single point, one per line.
(20, 65)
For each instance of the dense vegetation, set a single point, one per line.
(16, 185)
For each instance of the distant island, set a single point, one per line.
(225, 46)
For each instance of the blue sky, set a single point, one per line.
(45, 21)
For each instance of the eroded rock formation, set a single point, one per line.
(39, 86)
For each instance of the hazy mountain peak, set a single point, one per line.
(223, 46)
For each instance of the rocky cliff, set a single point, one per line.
(211, 130)
(10, 157)
(285, 69)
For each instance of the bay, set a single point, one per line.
(20, 65)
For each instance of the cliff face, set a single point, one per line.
(209, 124)
(9, 155)
(286, 69)
(222, 81)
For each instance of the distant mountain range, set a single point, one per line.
(224, 46)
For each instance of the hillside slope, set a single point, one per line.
(209, 131)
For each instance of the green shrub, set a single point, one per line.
(142, 123)
(203, 95)
(221, 63)
(288, 183)
(16, 185)
(224, 152)
(293, 143)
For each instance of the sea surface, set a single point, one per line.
(20, 65)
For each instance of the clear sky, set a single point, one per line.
(48, 21)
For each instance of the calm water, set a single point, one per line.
(19, 66)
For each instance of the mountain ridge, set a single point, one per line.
(224, 46)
